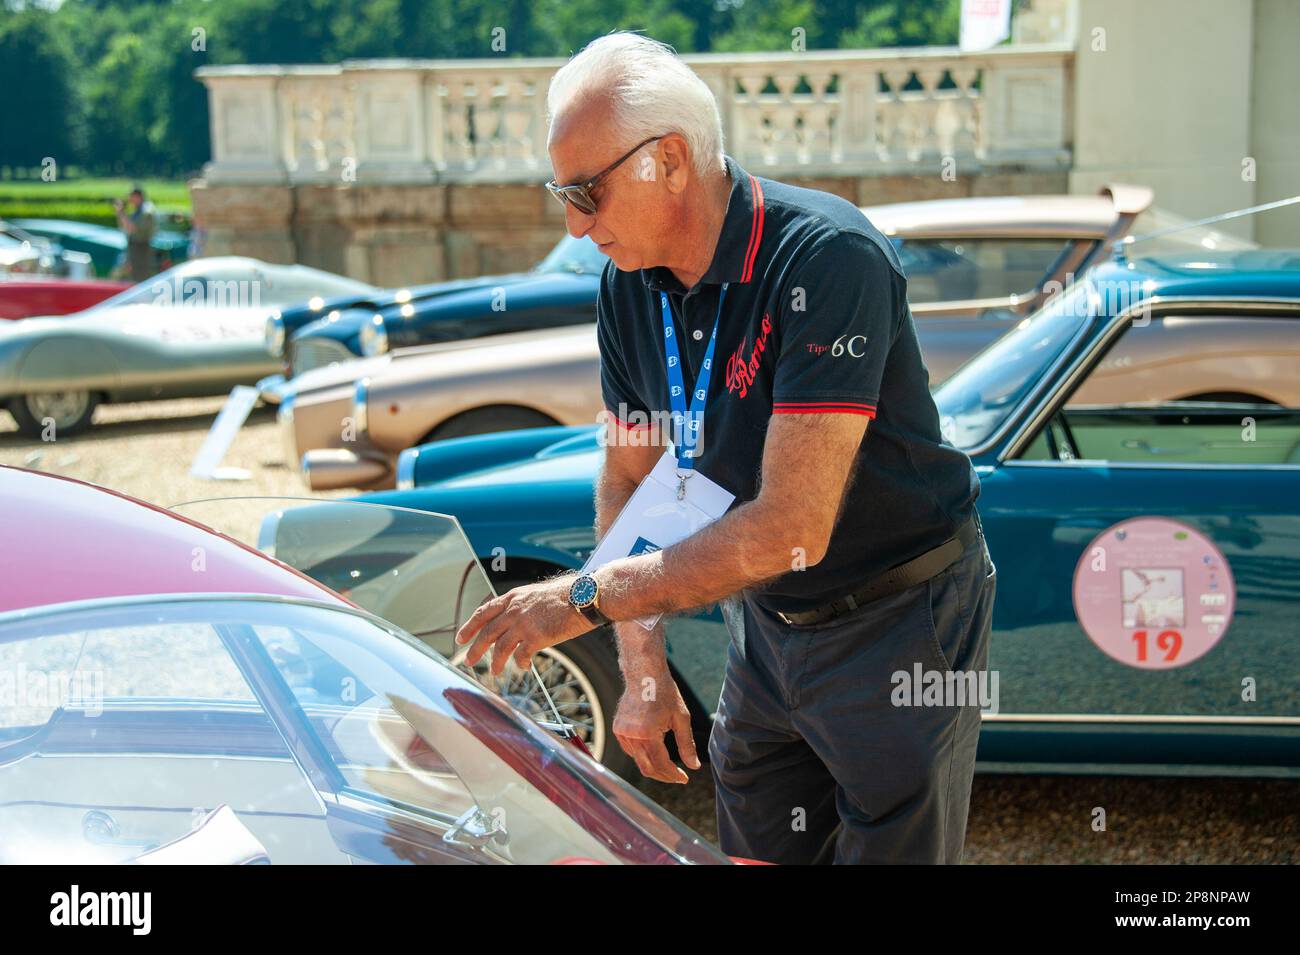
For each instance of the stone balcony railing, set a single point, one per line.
(806, 115)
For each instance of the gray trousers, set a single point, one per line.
(814, 756)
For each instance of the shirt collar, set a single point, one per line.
(738, 242)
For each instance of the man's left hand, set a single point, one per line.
(522, 622)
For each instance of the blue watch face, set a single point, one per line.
(583, 592)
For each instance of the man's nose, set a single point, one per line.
(578, 223)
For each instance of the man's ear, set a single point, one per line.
(676, 160)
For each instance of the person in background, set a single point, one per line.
(198, 239)
(136, 218)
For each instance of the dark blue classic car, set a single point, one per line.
(561, 290)
(1148, 553)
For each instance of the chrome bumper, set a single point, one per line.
(332, 469)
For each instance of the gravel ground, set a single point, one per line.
(146, 449)
(1048, 819)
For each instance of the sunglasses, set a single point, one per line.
(580, 192)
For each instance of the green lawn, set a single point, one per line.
(85, 200)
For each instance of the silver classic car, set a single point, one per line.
(196, 329)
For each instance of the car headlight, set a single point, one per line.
(275, 335)
(360, 405)
(374, 337)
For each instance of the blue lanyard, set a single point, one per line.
(687, 424)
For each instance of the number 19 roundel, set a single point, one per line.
(1153, 593)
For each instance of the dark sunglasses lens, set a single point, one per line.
(574, 194)
(582, 201)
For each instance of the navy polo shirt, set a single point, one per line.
(815, 321)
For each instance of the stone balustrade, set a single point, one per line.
(813, 114)
(405, 171)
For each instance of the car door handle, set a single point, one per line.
(474, 829)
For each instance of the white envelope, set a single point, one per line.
(653, 518)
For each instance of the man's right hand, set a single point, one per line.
(651, 707)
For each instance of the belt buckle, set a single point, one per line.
(785, 618)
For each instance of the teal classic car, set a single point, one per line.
(106, 245)
(1148, 552)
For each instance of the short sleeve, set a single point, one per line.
(841, 311)
(616, 388)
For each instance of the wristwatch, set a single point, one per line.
(584, 594)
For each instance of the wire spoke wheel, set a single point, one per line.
(570, 689)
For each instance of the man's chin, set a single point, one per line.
(622, 260)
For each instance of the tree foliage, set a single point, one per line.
(108, 85)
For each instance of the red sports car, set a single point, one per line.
(170, 694)
(24, 298)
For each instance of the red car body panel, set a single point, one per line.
(29, 297)
(63, 540)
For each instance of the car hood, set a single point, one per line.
(502, 461)
(298, 317)
(524, 292)
(426, 360)
(576, 465)
(551, 494)
(419, 293)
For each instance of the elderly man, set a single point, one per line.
(852, 550)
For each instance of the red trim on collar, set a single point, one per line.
(755, 231)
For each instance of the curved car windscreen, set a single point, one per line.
(975, 401)
(974, 267)
(330, 736)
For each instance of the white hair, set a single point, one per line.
(651, 91)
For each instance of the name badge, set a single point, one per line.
(659, 514)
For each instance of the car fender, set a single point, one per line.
(67, 363)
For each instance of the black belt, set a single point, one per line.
(896, 579)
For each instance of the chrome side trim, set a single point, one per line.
(1130, 718)
(1139, 466)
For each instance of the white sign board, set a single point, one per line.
(207, 463)
(984, 24)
